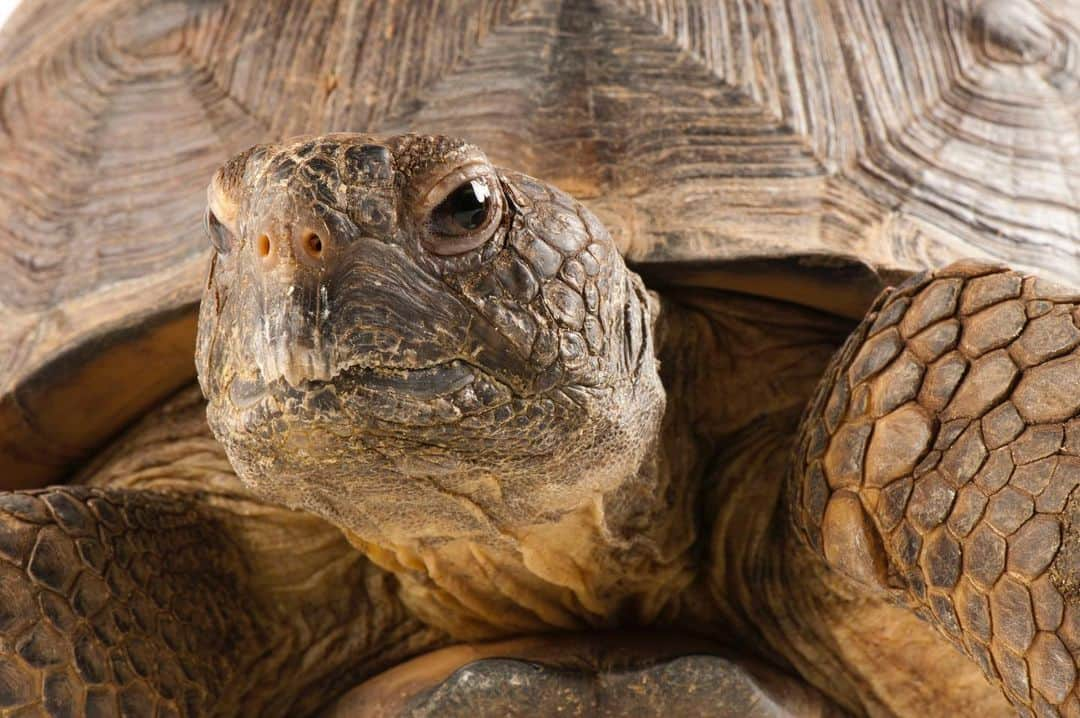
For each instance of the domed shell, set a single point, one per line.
(812, 150)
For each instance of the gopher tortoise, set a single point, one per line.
(675, 423)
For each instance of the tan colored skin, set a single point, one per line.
(625, 466)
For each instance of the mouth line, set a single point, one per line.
(439, 378)
(436, 385)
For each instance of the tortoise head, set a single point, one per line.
(413, 343)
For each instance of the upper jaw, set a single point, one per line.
(295, 370)
(305, 362)
(296, 363)
(289, 345)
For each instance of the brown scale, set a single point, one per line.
(958, 473)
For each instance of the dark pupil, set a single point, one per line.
(467, 207)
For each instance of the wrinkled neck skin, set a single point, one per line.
(621, 560)
(623, 556)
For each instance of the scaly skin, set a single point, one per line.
(459, 415)
(938, 466)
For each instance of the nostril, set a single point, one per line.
(313, 244)
(264, 246)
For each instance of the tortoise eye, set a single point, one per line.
(218, 233)
(464, 210)
(467, 208)
(467, 217)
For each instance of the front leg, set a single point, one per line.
(938, 464)
(164, 589)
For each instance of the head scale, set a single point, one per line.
(415, 344)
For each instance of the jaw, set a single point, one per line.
(375, 436)
(500, 513)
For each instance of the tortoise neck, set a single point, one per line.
(743, 368)
(616, 562)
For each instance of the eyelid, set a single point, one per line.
(453, 179)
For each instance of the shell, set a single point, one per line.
(811, 150)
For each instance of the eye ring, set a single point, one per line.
(466, 209)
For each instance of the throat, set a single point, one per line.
(621, 560)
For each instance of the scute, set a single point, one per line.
(603, 674)
(738, 169)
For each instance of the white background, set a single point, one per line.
(6, 7)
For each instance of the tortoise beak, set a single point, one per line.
(291, 341)
(289, 344)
